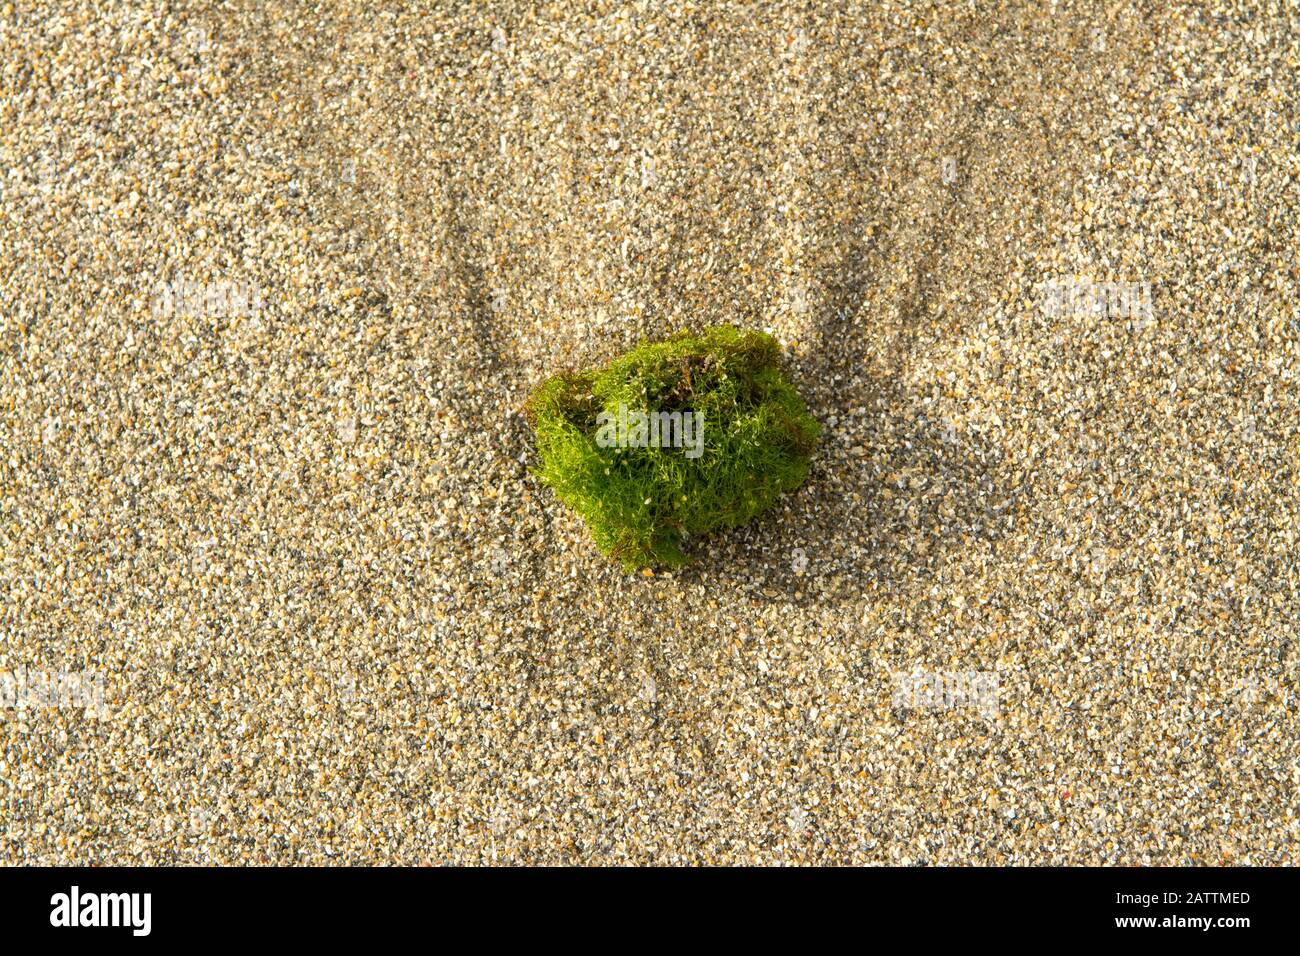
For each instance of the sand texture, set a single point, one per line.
(277, 278)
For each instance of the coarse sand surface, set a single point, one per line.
(276, 279)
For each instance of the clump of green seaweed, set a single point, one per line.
(674, 438)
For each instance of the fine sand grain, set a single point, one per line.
(337, 620)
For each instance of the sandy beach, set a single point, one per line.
(278, 278)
